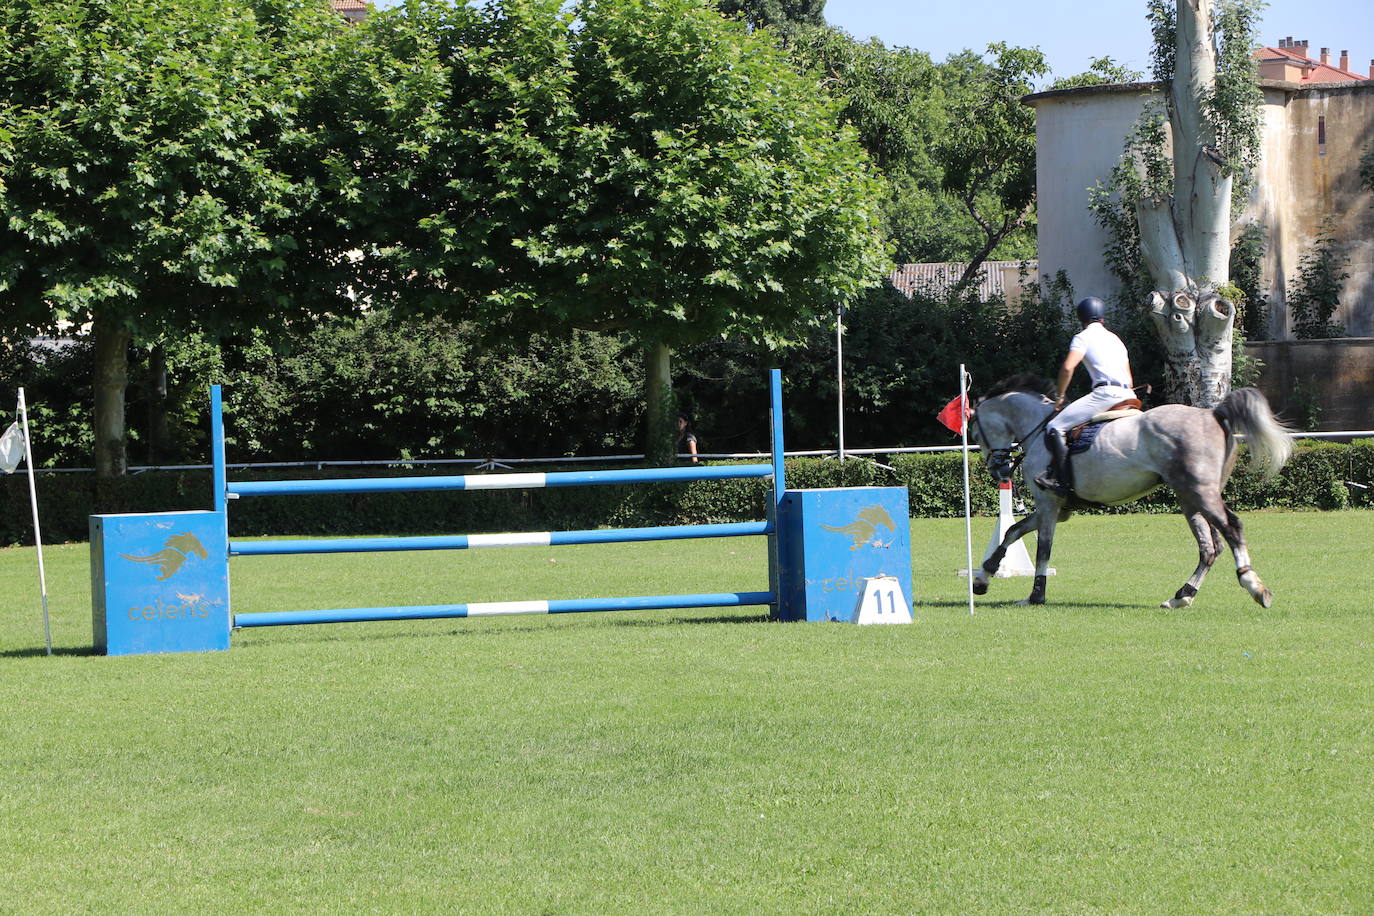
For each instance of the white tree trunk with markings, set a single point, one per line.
(1185, 237)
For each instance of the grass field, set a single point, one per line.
(1098, 754)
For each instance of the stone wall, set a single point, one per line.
(1337, 374)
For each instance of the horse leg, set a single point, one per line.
(1044, 542)
(994, 560)
(1228, 523)
(1208, 546)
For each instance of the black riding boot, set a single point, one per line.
(1056, 478)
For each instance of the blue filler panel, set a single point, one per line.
(834, 539)
(159, 583)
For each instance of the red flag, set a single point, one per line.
(954, 415)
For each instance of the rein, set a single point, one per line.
(1010, 458)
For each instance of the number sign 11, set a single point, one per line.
(882, 602)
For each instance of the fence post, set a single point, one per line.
(776, 548)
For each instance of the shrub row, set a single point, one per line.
(1320, 476)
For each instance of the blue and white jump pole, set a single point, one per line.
(803, 548)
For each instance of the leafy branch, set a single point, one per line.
(1315, 294)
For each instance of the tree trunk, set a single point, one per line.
(1196, 332)
(157, 405)
(976, 264)
(1185, 239)
(111, 380)
(660, 428)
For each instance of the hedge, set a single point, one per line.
(1319, 476)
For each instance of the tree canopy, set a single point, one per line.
(150, 180)
(1101, 71)
(781, 15)
(621, 165)
(988, 148)
(923, 123)
(175, 166)
(145, 151)
(626, 164)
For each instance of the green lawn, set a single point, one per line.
(1099, 754)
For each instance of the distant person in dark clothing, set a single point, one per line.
(686, 439)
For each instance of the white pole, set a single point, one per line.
(968, 504)
(37, 536)
(839, 372)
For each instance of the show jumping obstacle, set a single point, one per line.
(232, 490)
(823, 546)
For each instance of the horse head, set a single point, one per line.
(1006, 419)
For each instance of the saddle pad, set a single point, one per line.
(1081, 437)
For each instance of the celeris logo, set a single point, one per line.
(173, 554)
(864, 529)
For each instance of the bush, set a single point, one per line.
(382, 387)
(901, 364)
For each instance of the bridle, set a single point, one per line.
(1003, 462)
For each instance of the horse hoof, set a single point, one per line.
(1035, 599)
(980, 588)
(1265, 598)
(1177, 602)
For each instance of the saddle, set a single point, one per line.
(1080, 438)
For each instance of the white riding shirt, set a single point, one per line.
(1104, 354)
(1109, 367)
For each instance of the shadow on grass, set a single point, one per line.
(666, 621)
(40, 653)
(1048, 606)
(476, 630)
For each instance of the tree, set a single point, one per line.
(624, 165)
(920, 122)
(1172, 196)
(1314, 295)
(780, 15)
(988, 150)
(150, 179)
(1101, 71)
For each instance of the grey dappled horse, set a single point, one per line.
(1192, 449)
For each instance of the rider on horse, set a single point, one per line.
(1109, 367)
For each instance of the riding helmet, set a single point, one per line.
(1091, 309)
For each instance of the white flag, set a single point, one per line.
(11, 448)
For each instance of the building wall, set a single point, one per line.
(1080, 134)
(1323, 183)
(1079, 138)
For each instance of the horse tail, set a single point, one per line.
(1247, 412)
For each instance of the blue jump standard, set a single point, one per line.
(477, 541)
(500, 608)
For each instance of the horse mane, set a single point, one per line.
(1027, 382)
